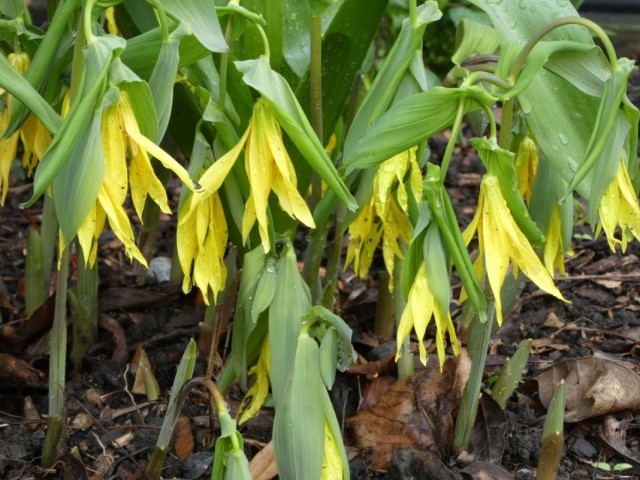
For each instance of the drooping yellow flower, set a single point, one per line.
(619, 208)
(526, 164)
(120, 134)
(384, 216)
(269, 168)
(501, 242)
(554, 246)
(421, 307)
(34, 136)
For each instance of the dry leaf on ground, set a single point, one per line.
(595, 386)
(415, 413)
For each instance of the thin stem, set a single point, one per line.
(455, 130)
(265, 40)
(413, 14)
(506, 124)
(57, 363)
(162, 19)
(405, 363)
(87, 20)
(224, 61)
(333, 264)
(533, 41)
(483, 76)
(316, 98)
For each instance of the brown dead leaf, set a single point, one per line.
(415, 413)
(183, 443)
(135, 299)
(263, 464)
(139, 359)
(487, 439)
(614, 433)
(14, 340)
(18, 372)
(594, 386)
(485, 471)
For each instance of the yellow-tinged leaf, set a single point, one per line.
(332, 458)
(554, 248)
(258, 392)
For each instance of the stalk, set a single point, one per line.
(333, 263)
(405, 362)
(84, 307)
(57, 362)
(477, 338)
(384, 323)
(315, 82)
(36, 288)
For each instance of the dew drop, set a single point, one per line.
(563, 138)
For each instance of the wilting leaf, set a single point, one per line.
(183, 442)
(487, 439)
(595, 386)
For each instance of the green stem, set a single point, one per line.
(85, 318)
(162, 19)
(413, 13)
(405, 363)
(506, 124)
(87, 14)
(484, 76)
(57, 361)
(478, 338)
(455, 131)
(333, 264)
(224, 62)
(533, 41)
(265, 40)
(316, 98)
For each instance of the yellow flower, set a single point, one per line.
(526, 164)
(120, 134)
(619, 208)
(269, 168)
(365, 231)
(34, 136)
(554, 246)
(421, 306)
(501, 241)
(332, 468)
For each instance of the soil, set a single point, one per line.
(111, 430)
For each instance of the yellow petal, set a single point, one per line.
(332, 458)
(144, 182)
(255, 397)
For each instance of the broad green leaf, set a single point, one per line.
(202, 17)
(415, 253)
(296, 39)
(291, 302)
(265, 291)
(380, 95)
(41, 62)
(76, 185)
(298, 429)
(274, 88)
(587, 70)
(164, 76)
(413, 120)
(332, 422)
(142, 51)
(560, 116)
(568, 56)
(477, 39)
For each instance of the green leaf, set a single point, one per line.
(296, 38)
(76, 185)
(477, 39)
(42, 60)
(329, 357)
(346, 353)
(291, 303)
(265, 290)
(435, 260)
(298, 429)
(202, 17)
(275, 89)
(140, 97)
(413, 120)
(164, 76)
(382, 91)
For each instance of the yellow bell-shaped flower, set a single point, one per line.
(34, 136)
(502, 242)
